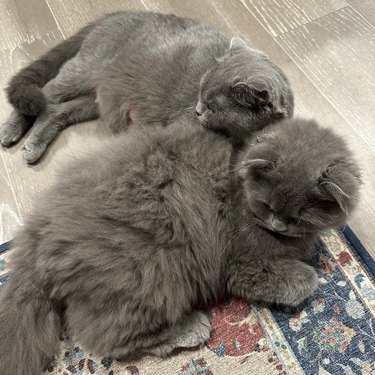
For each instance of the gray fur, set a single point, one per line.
(155, 224)
(148, 68)
(55, 118)
(24, 90)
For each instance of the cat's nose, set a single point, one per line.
(278, 225)
(199, 109)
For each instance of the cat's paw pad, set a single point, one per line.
(10, 133)
(33, 150)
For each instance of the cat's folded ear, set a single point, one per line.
(236, 44)
(341, 185)
(249, 96)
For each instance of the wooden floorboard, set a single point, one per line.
(24, 22)
(279, 17)
(336, 53)
(366, 8)
(325, 48)
(10, 216)
(72, 14)
(27, 29)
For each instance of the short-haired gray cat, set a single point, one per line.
(149, 68)
(155, 224)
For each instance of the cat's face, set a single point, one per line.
(243, 93)
(299, 178)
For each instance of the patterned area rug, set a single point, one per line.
(333, 333)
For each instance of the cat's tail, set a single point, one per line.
(24, 89)
(29, 329)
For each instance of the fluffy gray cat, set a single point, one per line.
(155, 224)
(148, 68)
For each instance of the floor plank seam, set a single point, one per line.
(295, 27)
(57, 23)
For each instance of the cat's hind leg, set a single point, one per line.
(53, 120)
(24, 88)
(120, 328)
(193, 330)
(190, 331)
(14, 128)
(73, 81)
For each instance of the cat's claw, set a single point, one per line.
(304, 287)
(33, 151)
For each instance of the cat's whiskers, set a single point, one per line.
(319, 218)
(304, 229)
(327, 216)
(237, 234)
(236, 169)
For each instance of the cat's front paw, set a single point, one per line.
(11, 131)
(33, 150)
(301, 284)
(282, 282)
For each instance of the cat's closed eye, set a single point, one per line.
(212, 106)
(259, 175)
(291, 220)
(267, 206)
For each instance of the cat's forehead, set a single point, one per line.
(215, 90)
(221, 99)
(295, 168)
(290, 193)
(300, 150)
(287, 166)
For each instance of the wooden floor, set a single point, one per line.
(326, 47)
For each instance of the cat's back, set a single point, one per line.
(167, 182)
(150, 198)
(148, 27)
(186, 148)
(180, 160)
(125, 32)
(157, 64)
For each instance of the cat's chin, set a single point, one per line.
(203, 121)
(285, 234)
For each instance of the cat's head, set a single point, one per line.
(299, 178)
(244, 92)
